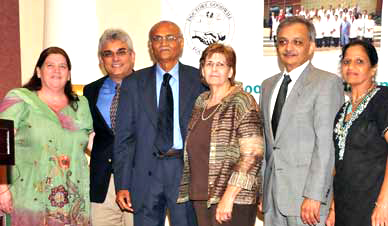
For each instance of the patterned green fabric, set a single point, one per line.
(50, 180)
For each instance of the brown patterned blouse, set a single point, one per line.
(236, 148)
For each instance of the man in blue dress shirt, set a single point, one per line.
(117, 57)
(154, 110)
(345, 31)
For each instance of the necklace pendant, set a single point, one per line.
(211, 114)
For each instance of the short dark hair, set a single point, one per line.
(369, 49)
(297, 20)
(35, 84)
(227, 51)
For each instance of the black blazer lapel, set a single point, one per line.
(186, 90)
(148, 91)
(99, 118)
(96, 89)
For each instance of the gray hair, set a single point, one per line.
(298, 20)
(112, 34)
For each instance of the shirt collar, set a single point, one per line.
(174, 72)
(297, 71)
(109, 83)
(108, 87)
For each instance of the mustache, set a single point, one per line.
(164, 48)
(290, 53)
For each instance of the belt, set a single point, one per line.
(170, 153)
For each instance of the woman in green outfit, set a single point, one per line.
(49, 184)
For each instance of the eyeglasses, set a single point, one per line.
(218, 65)
(295, 42)
(121, 52)
(167, 38)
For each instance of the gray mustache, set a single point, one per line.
(290, 53)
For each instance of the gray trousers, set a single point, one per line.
(273, 216)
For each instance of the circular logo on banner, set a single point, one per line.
(208, 23)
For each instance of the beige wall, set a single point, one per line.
(135, 17)
(31, 34)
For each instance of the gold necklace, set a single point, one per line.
(211, 114)
(360, 98)
(215, 110)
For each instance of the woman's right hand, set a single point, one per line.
(5, 199)
(330, 221)
(224, 209)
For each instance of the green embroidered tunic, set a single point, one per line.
(50, 179)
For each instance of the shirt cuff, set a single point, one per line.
(242, 180)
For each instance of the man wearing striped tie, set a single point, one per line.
(117, 57)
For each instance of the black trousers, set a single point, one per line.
(242, 215)
(352, 39)
(369, 40)
(327, 41)
(336, 42)
(318, 42)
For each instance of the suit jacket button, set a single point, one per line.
(109, 160)
(149, 173)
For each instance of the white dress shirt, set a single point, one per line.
(369, 28)
(294, 75)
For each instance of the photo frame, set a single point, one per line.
(7, 142)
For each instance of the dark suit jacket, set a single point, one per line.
(133, 155)
(101, 157)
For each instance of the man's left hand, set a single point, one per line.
(310, 211)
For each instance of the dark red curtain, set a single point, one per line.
(10, 69)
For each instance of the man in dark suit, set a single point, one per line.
(152, 117)
(299, 106)
(117, 57)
